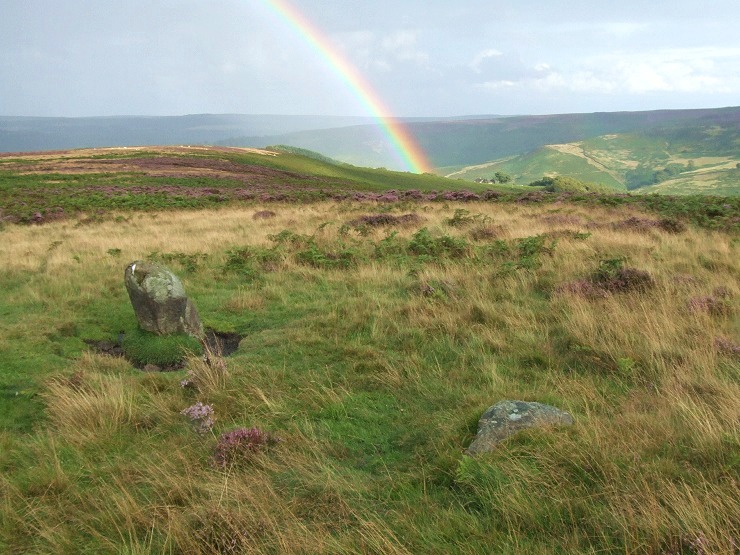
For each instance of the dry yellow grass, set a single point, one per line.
(647, 469)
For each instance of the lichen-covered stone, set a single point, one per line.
(159, 300)
(506, 418)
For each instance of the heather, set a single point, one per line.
(87, 185)
(374, 333)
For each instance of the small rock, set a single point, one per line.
(506, 418)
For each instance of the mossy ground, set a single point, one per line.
(167, 352)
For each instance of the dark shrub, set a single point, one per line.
(465, 196)
(629, 279)
(490, 195)
(672, 225)
(483, 232)
(534, 196)
(710, 304)
(379, 220)
(636, 224)
(613, 277)
(610, 277)
(583, 288)
(240, 445)
(726, 346)
(669, 225)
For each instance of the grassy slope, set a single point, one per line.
(475, 141)
(78, 181)
(543, 162)
(606, 159)
(372, 360)
(332, 174)
(708, 180)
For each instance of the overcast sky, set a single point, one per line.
(422, 57)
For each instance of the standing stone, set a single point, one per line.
(159, 300)
(506, 418)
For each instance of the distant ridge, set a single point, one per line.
(452, 143)
(32, 133)
(23, 133)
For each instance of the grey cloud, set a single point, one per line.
(423, 57)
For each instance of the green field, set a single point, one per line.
(375, 332)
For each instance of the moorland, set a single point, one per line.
(666, 151)
(380, 313)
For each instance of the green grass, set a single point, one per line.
(530, 167)
(371, 353)
(142, 348)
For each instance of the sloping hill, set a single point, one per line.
(457, 143)
(551, 161)
(680, 158)
(449, 142)
(630, 150)
(52, 184)
(723, 178)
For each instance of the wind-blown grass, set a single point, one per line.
(371, 352)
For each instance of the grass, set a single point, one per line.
(547, 161)
(60, 185)
(41, 188)
(371, 351)
(143, 347)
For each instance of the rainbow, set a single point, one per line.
(405, 146)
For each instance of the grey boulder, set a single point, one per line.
(506, 418)
(159, 300)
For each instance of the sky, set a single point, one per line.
(420, 57)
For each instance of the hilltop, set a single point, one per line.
(39, 186)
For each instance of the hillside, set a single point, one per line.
(55, 183)
(600, 147)
(472, 141)
(677, 159)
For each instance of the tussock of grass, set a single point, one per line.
(206, 373)
(371, 352)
